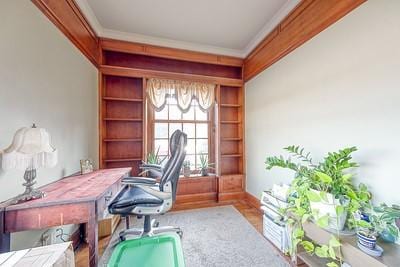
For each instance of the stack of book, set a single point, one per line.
(274, 225)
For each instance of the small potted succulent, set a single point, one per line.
(205, 165)
(186, 169)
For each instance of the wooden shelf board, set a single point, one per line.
(122, 160)
(230, 105)
(122, 119)
(231, 155)
(230, 122)
(123, 140)
(312, 260)
(230, 173)
(231, 139)
(144, 73)
(122, 99)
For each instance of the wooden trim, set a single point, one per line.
(308, 19)
(5, 240)
(201, 197)
(253, 201)
(76, 238)
(67, 16)
(235, 196)
(139, 73)
(167, 52)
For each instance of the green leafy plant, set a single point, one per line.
(154, 158)
(316, 184)
(204, 164)
(381, 218)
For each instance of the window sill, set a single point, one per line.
(194, 176)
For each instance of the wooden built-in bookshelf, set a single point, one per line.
(122, 130)
(231, 147)
(124, 118)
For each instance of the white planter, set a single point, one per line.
(329, 208)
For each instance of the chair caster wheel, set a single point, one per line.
(180, 233)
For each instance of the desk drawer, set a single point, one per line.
(102, 203)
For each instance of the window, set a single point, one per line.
(195, 123)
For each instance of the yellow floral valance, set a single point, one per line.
(184, 91)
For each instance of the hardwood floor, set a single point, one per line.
(252, 214)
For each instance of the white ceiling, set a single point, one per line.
(228, 27)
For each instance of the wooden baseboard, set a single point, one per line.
(200, 197)
(233, 196)
(252, 200)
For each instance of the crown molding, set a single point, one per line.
(90, 16)
(270, 25)
(146, 39)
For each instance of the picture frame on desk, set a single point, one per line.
(86, 166)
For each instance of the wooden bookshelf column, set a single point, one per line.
(122, 136)
(231, 180)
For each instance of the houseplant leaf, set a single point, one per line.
(313, 197)
(324, 177)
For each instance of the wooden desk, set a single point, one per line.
(71, 200)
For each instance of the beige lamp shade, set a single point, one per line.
(31, 147)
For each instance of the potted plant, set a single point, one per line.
(153, 158)
(186, 168)
(204, 165)
(323, 193)
(380, 222)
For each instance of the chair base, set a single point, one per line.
(150, 228)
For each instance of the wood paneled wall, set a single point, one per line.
(308, 19)
(66, 15)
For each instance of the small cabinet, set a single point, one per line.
(228, 184)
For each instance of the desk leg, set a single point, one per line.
(92, 237)
(4, 237)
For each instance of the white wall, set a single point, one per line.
(342, 88)
(46, 80)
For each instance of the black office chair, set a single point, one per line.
(145, 197)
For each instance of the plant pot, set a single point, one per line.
(387, 237)
(186, 171)
(366, 241)
(329, 208)
(204, 172)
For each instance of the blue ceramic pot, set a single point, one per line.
(387, 237)
(369, 242)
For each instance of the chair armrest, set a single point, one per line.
(139, 181)
(146, 166)
(155, 192)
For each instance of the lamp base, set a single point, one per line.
(34, 194)
(30, 193)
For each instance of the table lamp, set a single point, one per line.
(30, 149)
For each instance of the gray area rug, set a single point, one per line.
(218, 236)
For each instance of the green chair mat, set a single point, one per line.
(157, 251)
